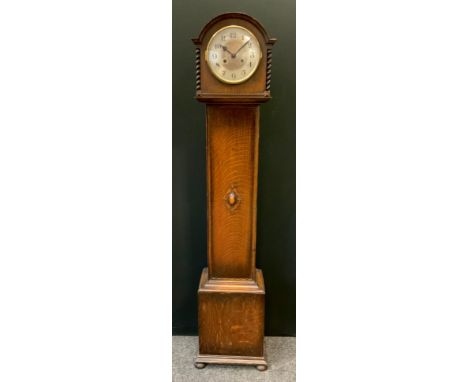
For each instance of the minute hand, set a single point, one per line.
(241, 47)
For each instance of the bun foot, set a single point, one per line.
(261, 367)
(200, 365)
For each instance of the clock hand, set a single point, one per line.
(227, 50)
(240, 48)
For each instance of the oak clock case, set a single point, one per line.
(233, 76)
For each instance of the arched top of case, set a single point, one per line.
(234, 15)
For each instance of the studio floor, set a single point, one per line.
(280, 353)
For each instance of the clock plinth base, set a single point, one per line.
(231, 320)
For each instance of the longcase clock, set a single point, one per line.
(233, 73)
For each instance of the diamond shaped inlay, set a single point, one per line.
(232, 198)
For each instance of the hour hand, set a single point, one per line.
(227, 50)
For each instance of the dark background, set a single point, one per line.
(276, 220)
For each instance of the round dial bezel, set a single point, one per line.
(240, 81)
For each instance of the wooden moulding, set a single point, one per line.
(227, 285)
(215, 98)
(259, 362)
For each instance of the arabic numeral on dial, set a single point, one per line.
(232, 35)
(252, 55)
(250, 45)
(223, 37)
(223, 73)
(244, 72)
(217, 46)
(214, 56)
(233, 75)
